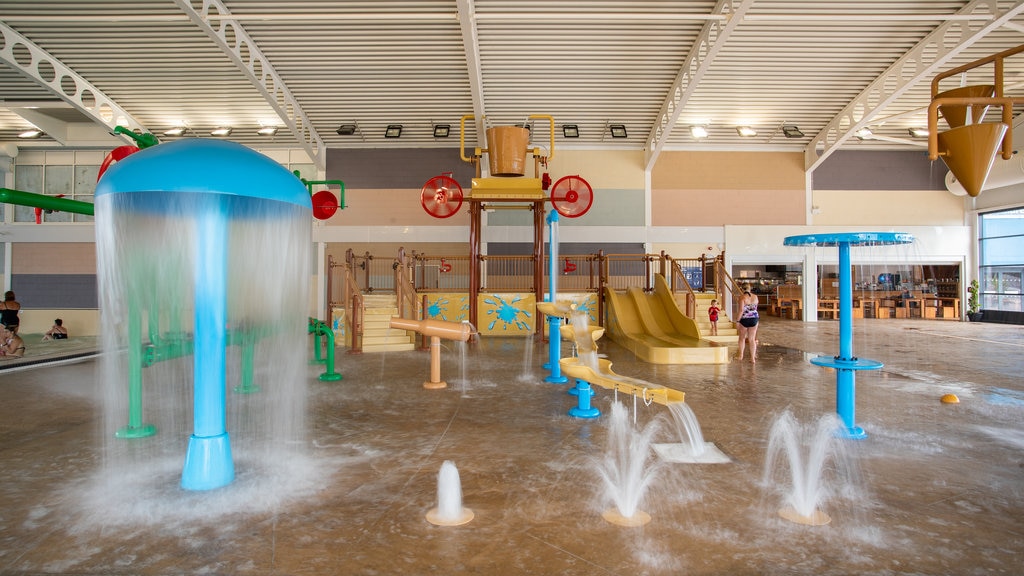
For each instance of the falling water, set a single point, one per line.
(687, 428)
(146, 261)
(449, 511)
(805, 452)
(626, 468)
(586, 348)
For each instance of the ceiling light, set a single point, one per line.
(746, 131)
(791, 131)
(570, 131)
(267, 131)
(176, 131)
(33, 133)
(918, 132)
(863, 134)
(442, 130)
(617, 130)
(698, 131)
(393, 131)
(221, 131)
(346, 129)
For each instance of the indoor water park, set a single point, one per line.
(503, 288)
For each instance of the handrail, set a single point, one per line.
(676, 277)
(353, 305)
(725, 284)
(405, 288)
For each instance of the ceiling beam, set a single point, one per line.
(471, 45)
(919, 63)
(65, 83)
(248, 57)
(712, 37)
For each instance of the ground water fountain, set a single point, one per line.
(626, 468)
(813, 463)
(206, 243)
(449, 510)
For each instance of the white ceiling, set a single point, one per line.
(74, 68)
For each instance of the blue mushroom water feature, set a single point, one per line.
(846, 364)
(205, 242)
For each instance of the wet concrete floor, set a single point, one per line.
(935, 488)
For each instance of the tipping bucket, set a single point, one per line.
(969, 152)
(956, 115)
(507, 150)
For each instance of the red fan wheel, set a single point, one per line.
(572, 196)
(325, 204)
(441, 196)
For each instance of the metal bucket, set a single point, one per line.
(507, 150)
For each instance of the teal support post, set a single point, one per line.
(135, 427)
(316, 327)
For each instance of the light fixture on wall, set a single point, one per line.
(176, 131)
(746, 131)
(442, 130)
(221, 131)
(570, 131)
(267, 131)
(33, 133)
(791, 131)
(346, 130)
(393, 131)
(698, 132)
(617, 130)
(918, 132)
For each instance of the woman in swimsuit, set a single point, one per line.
(12, 345)
(9, 309)
(747, 326)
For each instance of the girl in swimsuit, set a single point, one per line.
(9, 309)
(747, 326)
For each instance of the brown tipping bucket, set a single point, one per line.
(507, 150)
(956, 115)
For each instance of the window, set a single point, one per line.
(70, 175)
(1001, 256)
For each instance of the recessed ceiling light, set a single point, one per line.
(176, 131)
(33, 133)
(918, 132)
(746, 131)
(863, 133)
(267, 131)
(617, 130)
(442, 130)
(393, 131)
(698, 131)
(570, 131)
(346, 129)
(222, 131)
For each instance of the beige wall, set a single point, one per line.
(715, 188)
(887, 208)
(399, 207)
(602, 169)
(53, 258)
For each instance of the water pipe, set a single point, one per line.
(142, 140)
(319, 328)
(554, 333)
(9, 196)
(135, 427)
(435, 329)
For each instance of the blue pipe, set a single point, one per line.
(554, 322)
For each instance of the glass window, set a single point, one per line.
(1001, 253)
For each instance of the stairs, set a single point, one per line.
(726, 328)
(378, 336)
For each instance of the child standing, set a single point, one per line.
(713, 317)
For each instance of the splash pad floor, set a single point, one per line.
(929, 472)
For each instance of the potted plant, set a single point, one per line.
(972, 302)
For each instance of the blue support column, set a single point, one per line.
(554, 322)
(583, 409)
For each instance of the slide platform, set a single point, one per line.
(603, 376)
(653, 327)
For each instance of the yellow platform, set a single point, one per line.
(507, 189)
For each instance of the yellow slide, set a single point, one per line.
(653, 327)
